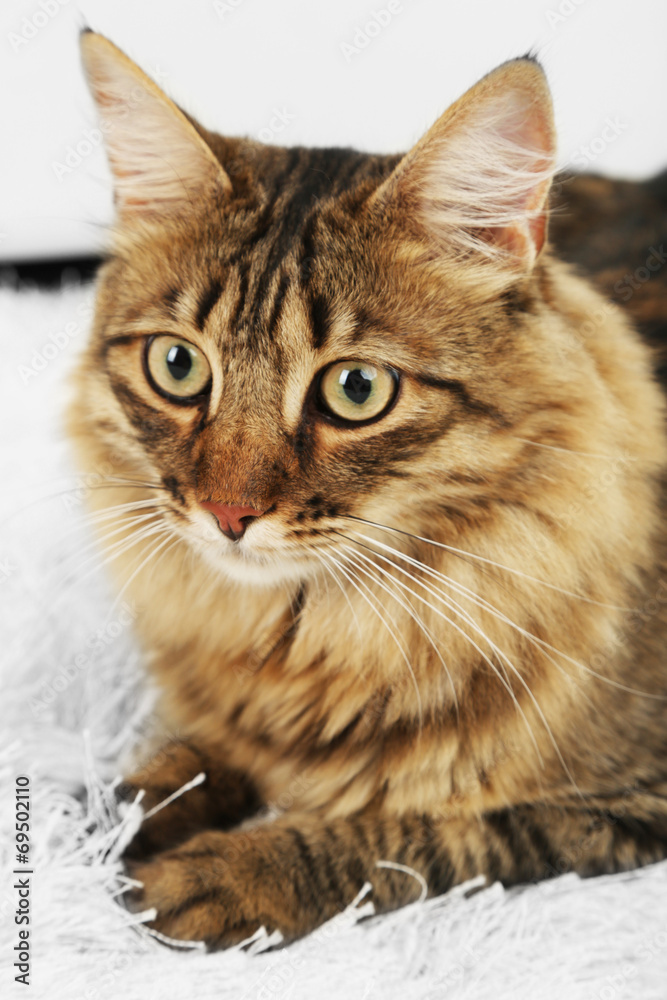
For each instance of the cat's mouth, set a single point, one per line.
(261, 554)
(264, 567)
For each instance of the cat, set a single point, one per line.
(386, 488)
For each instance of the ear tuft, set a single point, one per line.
(478, 182)
(159, 161)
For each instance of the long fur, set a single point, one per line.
(434, 648)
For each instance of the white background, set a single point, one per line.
(231, 64)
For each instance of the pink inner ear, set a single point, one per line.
(159, 161)
(480, 178)
(520, 243)
(528, 130)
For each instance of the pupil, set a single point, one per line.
(179, 361)
(357, 387)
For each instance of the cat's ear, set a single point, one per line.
(158, 159)
(478, 182)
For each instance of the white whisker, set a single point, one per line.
(471, 555)
(408, 606)
(151, 555)
(329, 569)
(53, 495)
(118, 548)
(456, 608)
(100, 542)
(357, 586)
(469, 639)
(571, 451)
(534, 640)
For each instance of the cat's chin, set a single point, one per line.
(256, 570)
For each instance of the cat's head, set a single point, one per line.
(290, 338)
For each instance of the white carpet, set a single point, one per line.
(67, 727)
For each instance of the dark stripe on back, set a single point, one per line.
(207, 302)
(348, 173)
(281, 178)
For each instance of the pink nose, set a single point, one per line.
(232, 520)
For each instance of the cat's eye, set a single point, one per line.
(356, 392)
(176, 368)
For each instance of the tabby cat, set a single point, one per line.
(386, 491)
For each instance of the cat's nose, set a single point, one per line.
(232, 520)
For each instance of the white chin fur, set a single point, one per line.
(257, 570)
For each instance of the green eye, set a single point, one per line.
(356, 392)
(176, 368)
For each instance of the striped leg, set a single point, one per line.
(298, 871)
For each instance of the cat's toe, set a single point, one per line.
(193, 899)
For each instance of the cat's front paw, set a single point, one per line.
(222, 799)
(210, 890)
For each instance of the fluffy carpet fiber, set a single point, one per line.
(73, 704)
